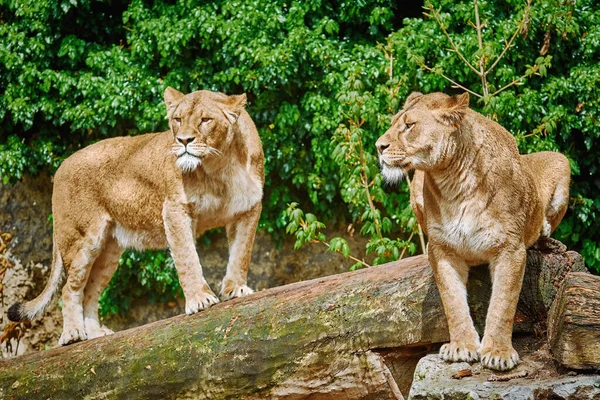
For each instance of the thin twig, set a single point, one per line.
(391, 53)
(519, 28)
(407, 244)
(456, 85)
(530, 134)
(482, 56)
(365, 184)
(419, 229)
(422, 239)
(349, 256)
(434, 14)
(505, 378)
(514, 82)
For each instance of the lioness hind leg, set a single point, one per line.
(78, 265)
(552, 172)
(559, 201)
(451, 274)
(102, 271)
(507, 271)
(240, 235)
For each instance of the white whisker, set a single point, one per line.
(212, 150)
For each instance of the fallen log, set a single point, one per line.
(574, 323)
(329, 338)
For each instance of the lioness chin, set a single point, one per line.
(155, 191)
(478, 201)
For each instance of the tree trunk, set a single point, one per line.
(574, 322)
(356, 335)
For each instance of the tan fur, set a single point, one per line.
(153, 191)
(479, 201)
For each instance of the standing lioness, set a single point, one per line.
(479, 202)
(153, 191)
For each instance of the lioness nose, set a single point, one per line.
(381, 147)
(185, 140)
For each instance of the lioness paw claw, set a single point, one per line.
(99, 332)
(71, 336)
(455, 351)
(94, 329)
(201, 302)
(499, 360)
(239, 291)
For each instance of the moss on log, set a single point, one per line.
(315, 336)
(327, 338)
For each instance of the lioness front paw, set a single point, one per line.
(94, 329)
(459, 351)
(231, 292)
(499, 359)
(72, 335)
(200, 302)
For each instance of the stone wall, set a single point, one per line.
(26, 207)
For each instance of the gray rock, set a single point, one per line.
(433, 380)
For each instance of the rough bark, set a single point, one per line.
(349, 336)
(574, 322)
(316, 338)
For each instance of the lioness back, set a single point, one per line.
(121, 180)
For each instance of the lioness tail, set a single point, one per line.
(34, 308)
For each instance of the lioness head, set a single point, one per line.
(202, 124)
(421, 134)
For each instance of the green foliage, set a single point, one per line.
(323, 79)
(151, 273)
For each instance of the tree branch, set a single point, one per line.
(349, 256)
(514, 82)
(519, 28)
(434, 15)
(419, 229)
(482, 56)
(456, 85)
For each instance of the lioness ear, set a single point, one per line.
(454, 110)
(171, 96)
(234, 107)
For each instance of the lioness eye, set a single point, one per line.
(177, 120)
(409, 125)
(205, 120)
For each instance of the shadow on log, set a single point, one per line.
(346, 336)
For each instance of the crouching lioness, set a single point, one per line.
(153, 191)
(479, 202)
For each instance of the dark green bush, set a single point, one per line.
(319, 75)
